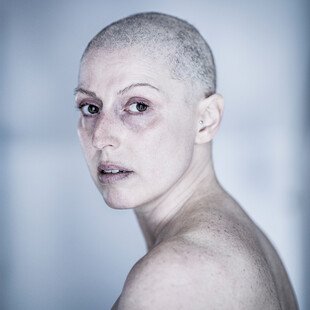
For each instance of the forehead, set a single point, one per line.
(115, 69)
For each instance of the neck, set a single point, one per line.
(198, 180)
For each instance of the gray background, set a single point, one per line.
(61, 246)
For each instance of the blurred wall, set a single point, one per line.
(61, 247)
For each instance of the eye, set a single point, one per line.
(138, 107)
(89, 109)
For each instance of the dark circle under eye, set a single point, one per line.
(141, 107)
(92, 109)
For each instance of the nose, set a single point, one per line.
(106, 133)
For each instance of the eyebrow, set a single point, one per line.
(128, 88)
(85, 91)
(120, 92)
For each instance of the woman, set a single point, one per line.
(149, 112)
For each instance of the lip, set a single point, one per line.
(108, 178)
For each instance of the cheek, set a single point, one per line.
(165, 150)
(85, 129)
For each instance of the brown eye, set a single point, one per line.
(89, 109)
(138, 107)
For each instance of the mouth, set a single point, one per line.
(110, 173)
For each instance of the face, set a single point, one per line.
(136, 130)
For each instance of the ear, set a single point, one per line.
(210, 112)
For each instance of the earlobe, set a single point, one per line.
(210, 113)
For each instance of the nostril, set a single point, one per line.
(102, 140)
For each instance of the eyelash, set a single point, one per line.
(82, 105)
(136, 102)
(128, 105)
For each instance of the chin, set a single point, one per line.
(117, 201)
(117, 205)
(124, 200)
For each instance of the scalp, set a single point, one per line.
(174, 41)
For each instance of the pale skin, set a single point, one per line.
(204, 252)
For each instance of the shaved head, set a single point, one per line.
(173, 41)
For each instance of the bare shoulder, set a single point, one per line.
(212, 258)
(184, 274)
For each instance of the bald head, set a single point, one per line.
(168, 39)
